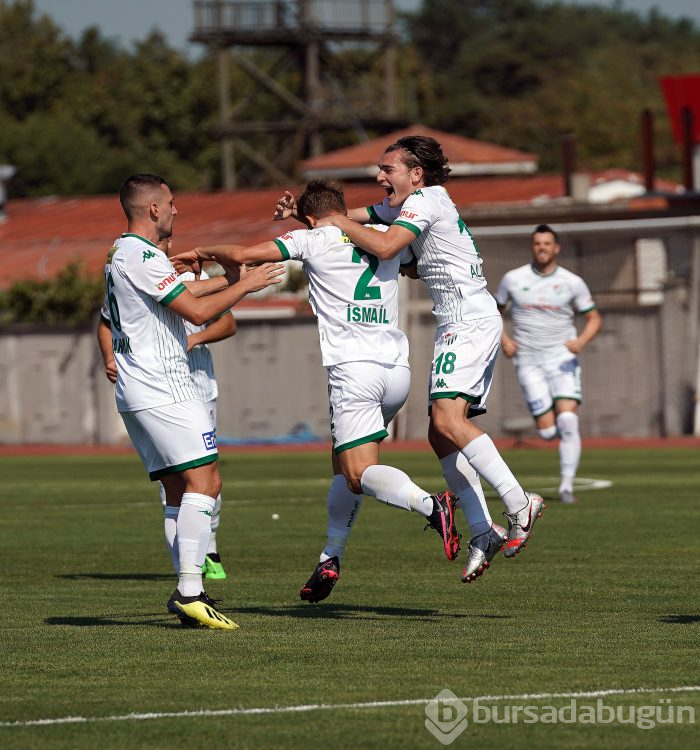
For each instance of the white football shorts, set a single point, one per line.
(464, 358)
(172, 438)
(210, 406)
(543, 384)
(364, 397)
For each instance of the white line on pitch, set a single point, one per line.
(340, 706)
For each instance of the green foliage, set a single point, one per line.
(70, 299)
(523, 72)
(76, 117)
(35, 60)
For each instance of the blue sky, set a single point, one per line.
(129, 20)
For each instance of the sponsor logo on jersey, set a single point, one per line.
(359, 314)
(209, 440)
(408, 214)
(167, 281)
(476, 272)
(287, 236)
(148, 254)
(541, 307)
(121, 346)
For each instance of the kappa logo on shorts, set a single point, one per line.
(441, 383)
(209, 440)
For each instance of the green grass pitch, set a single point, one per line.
(604, 597)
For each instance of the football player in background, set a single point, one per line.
(544, 299)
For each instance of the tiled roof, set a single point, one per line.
(41, 236)
(466, 156)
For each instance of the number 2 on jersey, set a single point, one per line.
(363, 291)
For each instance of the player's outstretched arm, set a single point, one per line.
(360, 215)
(384, 245)
(263, 252)
(286, 208)
(200, 310)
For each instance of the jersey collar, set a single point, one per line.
(139, 237)
(543, 275)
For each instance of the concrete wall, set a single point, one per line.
(635, 379)
(639, 375)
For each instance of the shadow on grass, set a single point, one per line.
(156, 621)
(679, 619)
(298, 611)
(358, 612)
(117, 576)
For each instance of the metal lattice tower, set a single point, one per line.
(308, 33)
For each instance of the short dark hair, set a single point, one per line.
(423, 151)
(133, 187)
(546, 228)
(321, 198)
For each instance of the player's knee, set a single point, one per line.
(441, 427)
(213, 484)
(216, 491)
(547, 433)
(567, 423)
(354, 482)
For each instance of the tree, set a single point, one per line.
(521, 73)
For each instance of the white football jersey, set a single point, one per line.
(448, 260)
(353, 294)
(149, 340)
(199, 358)
(542, 310)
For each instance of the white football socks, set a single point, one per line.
(171, 513)
(215, 521)
(547, 433)
(343, 508)
(193, 531)
(394, 487)
(484, 457)
(464, 482)
(569, 448)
